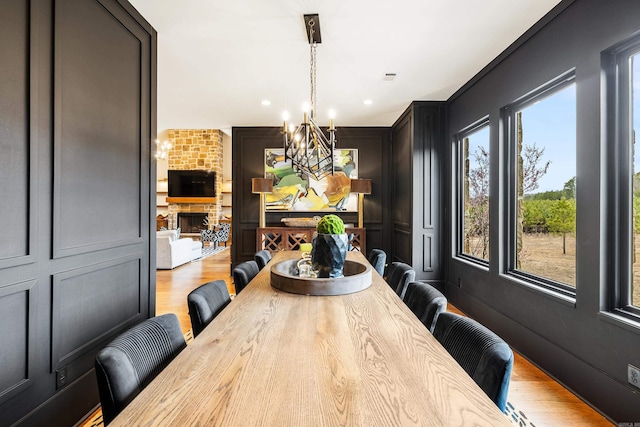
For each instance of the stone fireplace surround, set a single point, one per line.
(196, 149)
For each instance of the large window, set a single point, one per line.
(542, 167)
(624, 87)
(473, 194)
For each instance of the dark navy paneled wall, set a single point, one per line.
(77, 117)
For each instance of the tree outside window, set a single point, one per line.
(545, 182)
(475, 188)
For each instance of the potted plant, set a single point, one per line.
(330, 247)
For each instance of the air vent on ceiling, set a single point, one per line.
(389, 76)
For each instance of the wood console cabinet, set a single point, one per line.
(289, 238)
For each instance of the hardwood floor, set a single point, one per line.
(537, 399)
(173, 286)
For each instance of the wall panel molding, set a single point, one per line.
(96, 57)
(17, 335)
(16, 142)
(91, 303)
(427, 253)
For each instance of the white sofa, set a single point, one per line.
(172, 251)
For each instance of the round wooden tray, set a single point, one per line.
(357, 277)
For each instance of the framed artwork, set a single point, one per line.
(303, 193)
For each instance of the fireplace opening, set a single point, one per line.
(193, 222)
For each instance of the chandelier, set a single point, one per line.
(310, 151)
(162, 149)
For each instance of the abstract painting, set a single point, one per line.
(292, 192)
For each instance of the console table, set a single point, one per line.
(277, 239)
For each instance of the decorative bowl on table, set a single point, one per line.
(301, 222)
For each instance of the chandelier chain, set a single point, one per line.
(313, 80)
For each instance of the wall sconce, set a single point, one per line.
(261, 186)
(362, 187)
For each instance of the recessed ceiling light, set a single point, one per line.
(265, 102)
(368, 102)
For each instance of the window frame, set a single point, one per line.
(508, 114)
(619, 125)
(459, 207)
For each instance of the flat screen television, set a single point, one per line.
(191, 183)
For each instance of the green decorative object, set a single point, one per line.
(330, 224)
(330, 247)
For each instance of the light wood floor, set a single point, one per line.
(538, 400)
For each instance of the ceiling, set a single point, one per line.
(218, 60)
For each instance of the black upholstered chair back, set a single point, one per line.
(400, 275)
(480, 352)
(426, 302)
(378, 259)
(205, 303)
(262, 258)
(243, 273)
(129, 362)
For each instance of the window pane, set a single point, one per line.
(475, 218)
(546, 181)
(635, 116)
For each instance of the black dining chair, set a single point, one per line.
(128, 363)
(399, 276)
(378, 258)
(243, 273)
(426, 302)
(481, 353)
(262, 258)
(205, 303)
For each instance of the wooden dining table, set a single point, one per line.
(273, 358)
